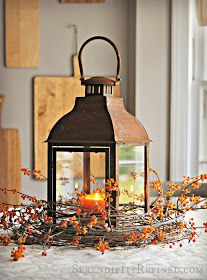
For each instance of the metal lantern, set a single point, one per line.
(98, 139)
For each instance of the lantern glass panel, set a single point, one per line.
(131, 173)
(76, 169)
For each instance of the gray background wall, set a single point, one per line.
(115, 19)
(153, 22)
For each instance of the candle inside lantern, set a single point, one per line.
(92, 201)
(76, 186)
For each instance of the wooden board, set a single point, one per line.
(10, 162)
(80, 1)
(22, 33)
(53, 98)
(201, 8)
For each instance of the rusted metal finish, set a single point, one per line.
(99, 81)
(86, 172)
(83, 81)
(127, 129)
(49, 173)
(80, 1)
(88, 122)
(99, 118)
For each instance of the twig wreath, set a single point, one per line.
(70, 224)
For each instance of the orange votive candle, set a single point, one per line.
(92, 201)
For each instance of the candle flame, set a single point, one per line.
(97, 196)
(76, 186)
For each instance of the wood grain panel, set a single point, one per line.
(22, 33)
(201, 8)
(10, 162)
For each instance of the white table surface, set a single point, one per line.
(151, 262)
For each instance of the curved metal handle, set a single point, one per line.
(111, 43)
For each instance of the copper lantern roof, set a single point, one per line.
(98, 118)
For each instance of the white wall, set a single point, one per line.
(56, 47)
(152, 77)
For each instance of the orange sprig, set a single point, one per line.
(102, 246)
(18, 253)
(4, 240)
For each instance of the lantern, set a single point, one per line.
(96, 141)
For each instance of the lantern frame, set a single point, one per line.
(98, 122)
(53, 149)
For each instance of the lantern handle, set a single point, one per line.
(111, 43)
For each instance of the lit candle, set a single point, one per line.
(92, 201)
(76, 186)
